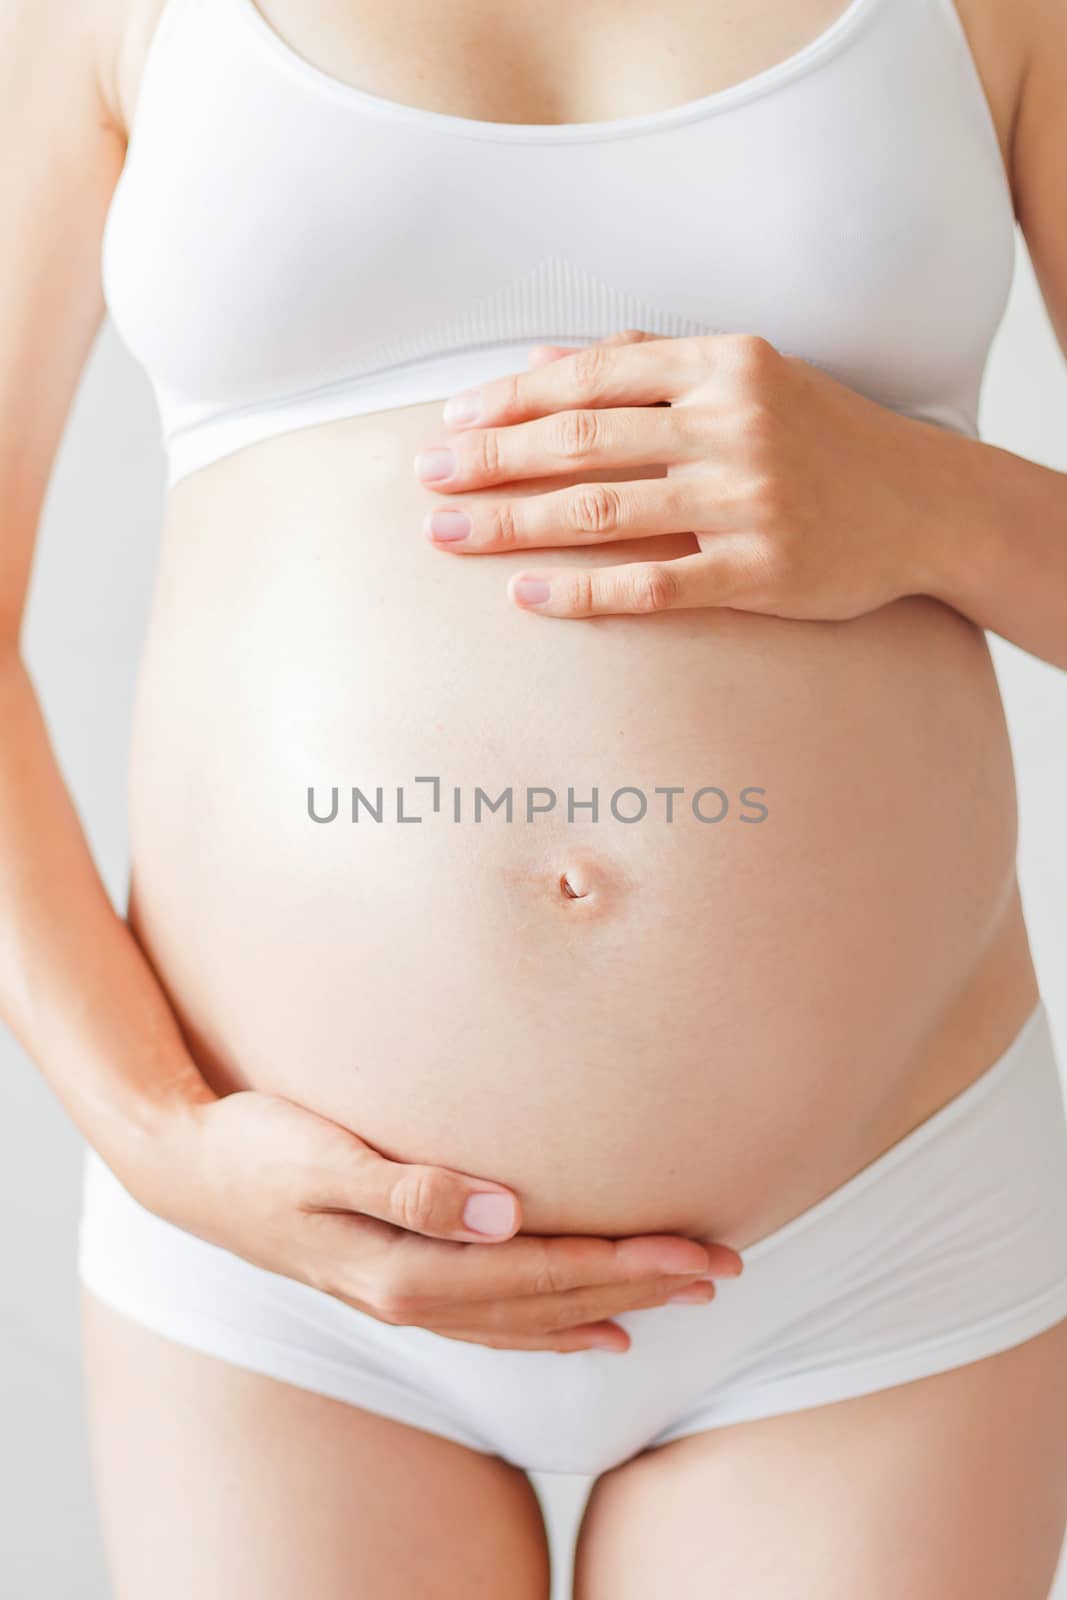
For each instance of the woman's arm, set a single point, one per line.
(1008, 570)
(74, 986)
(1003, 561)
(261, 1176)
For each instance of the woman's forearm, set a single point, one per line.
(75, 987)
(1003, 560)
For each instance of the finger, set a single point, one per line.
(631, 372)
(599, 1334)
(593, 1336)
(402, 1269)
(712, 577)
(423, 1199)
(584, 513)
(552, 1313)
(566, 442)
(540, 355)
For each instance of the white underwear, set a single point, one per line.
(950, 1246)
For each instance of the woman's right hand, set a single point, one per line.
(300, 1195)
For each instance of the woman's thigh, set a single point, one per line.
(947, 1486)
(220, 1483)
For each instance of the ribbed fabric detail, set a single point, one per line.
(556, 299)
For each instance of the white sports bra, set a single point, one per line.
(284, 249)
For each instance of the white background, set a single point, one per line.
(87, 617)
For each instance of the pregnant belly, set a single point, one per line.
(650, 918)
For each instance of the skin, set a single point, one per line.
(753, 442)
(267, 1177)
(157, 1112)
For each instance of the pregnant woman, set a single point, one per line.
(573, 1010)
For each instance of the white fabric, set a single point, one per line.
(952, 1245)
(284, 249)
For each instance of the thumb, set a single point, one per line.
(435, 1201)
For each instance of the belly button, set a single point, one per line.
(586, 884)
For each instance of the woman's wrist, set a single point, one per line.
(137, 1132)
(952, 556)
(994, 546)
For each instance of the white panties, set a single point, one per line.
(950, 1246)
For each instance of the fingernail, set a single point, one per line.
(531, 591)
(489, 1213)
(697, 1294)
(604, 1341)
(448, 525)
(463, 407)
(435, 463)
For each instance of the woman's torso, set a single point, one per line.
(729, 1016)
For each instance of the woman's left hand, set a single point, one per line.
(805, 498)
